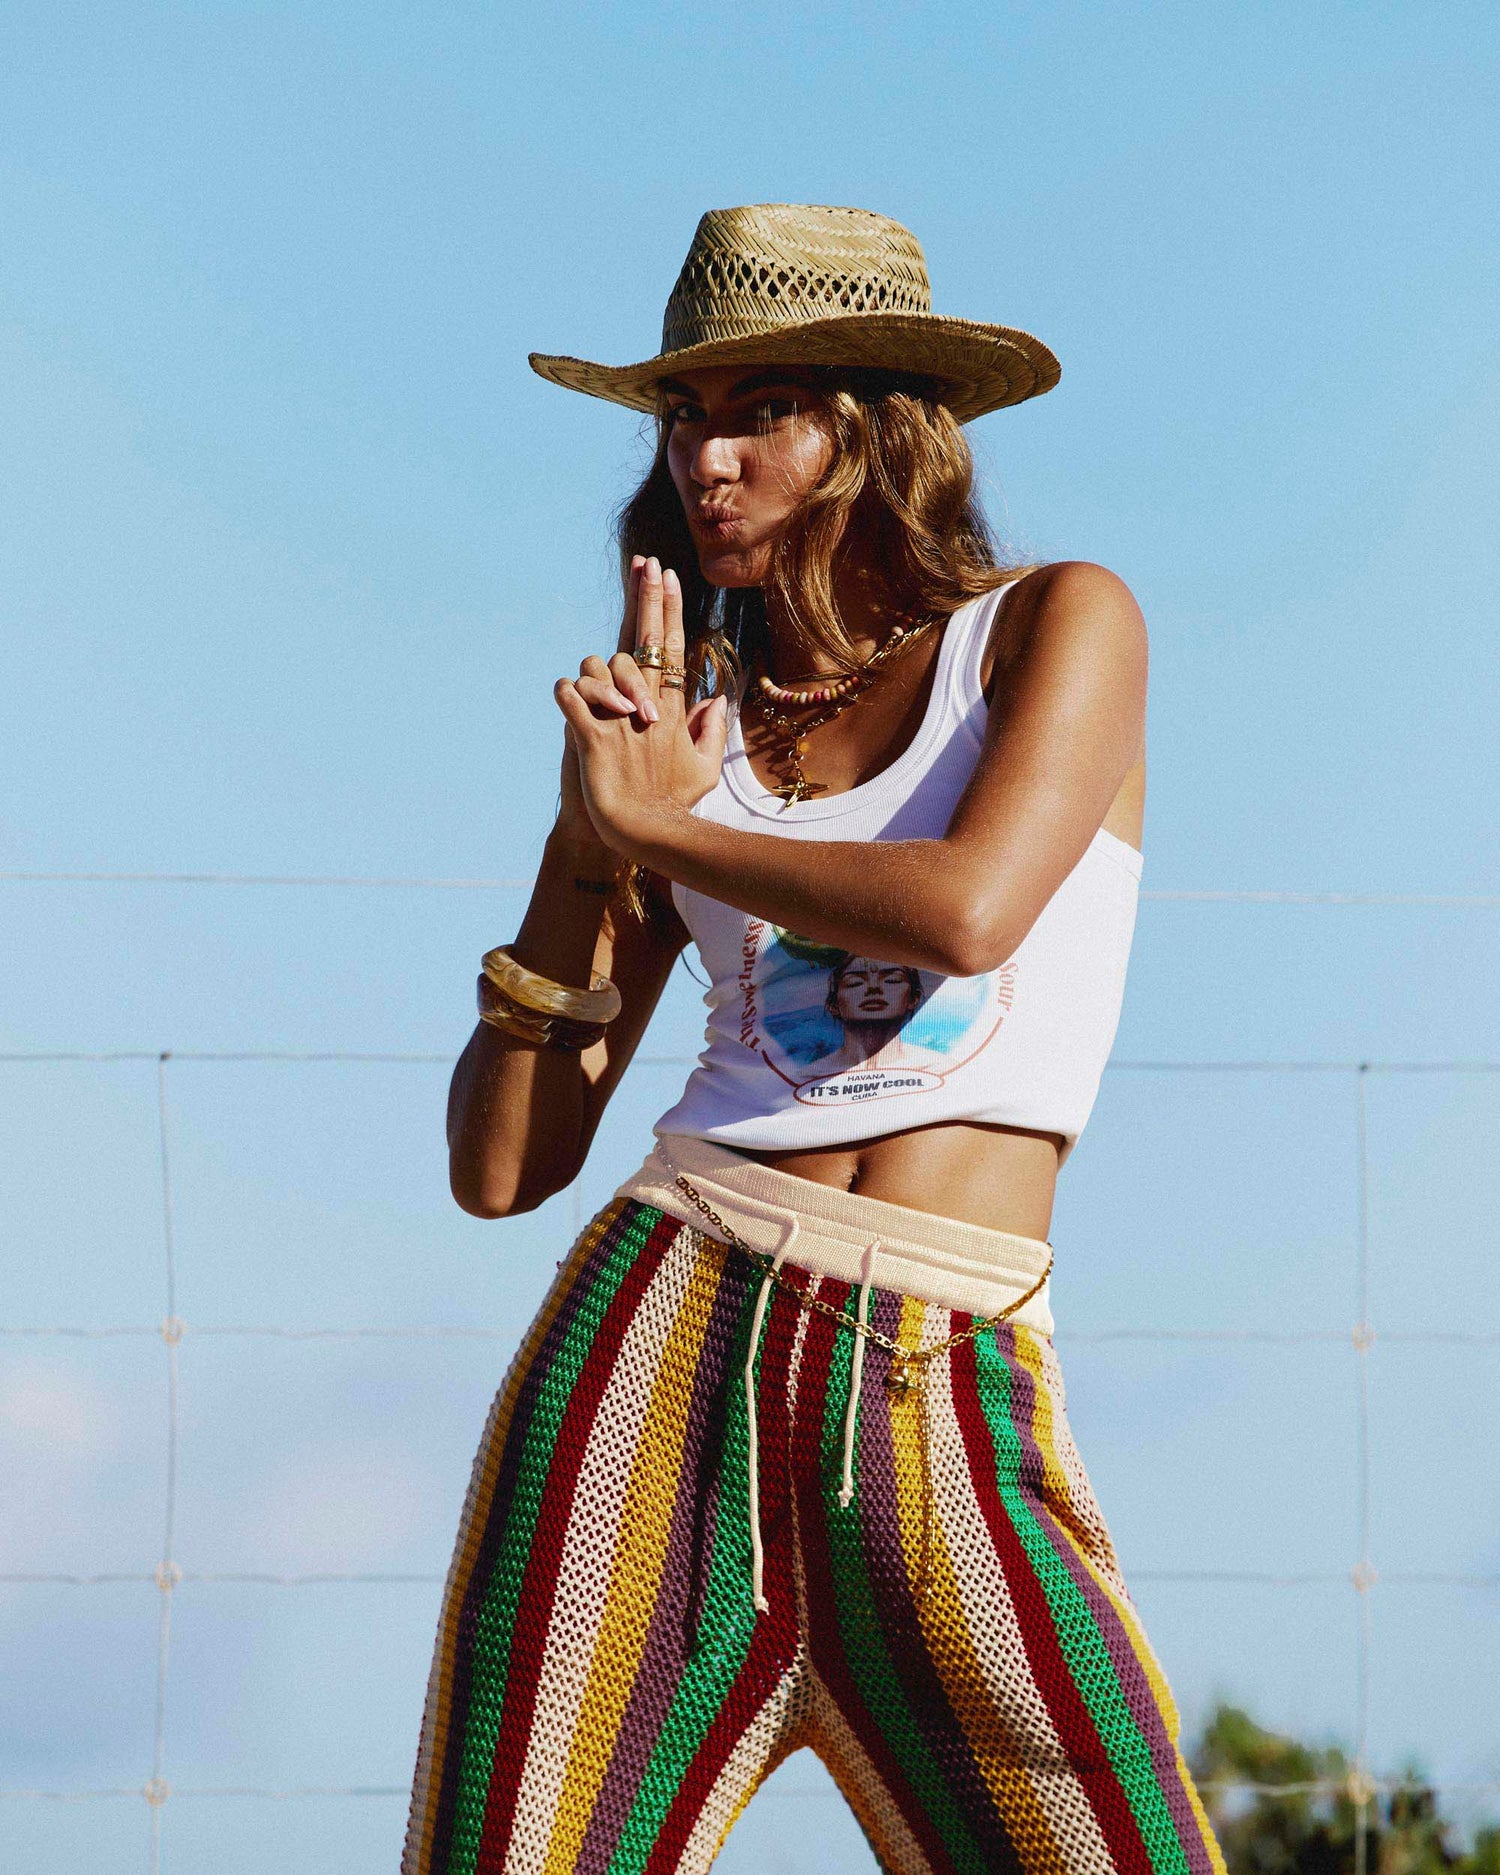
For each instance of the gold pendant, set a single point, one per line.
(898, 1380)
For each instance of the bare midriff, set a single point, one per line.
(1002, 1177)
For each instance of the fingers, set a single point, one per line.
(597, 683)
(575, 710)
(674, 642)
(648, 617)
(708, 725)
(630, 680)
(632, 589)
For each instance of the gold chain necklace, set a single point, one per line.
(794, 784)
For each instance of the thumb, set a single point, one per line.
(708, 724)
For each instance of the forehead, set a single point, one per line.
(727, 382)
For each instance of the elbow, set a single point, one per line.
(972, 944)
(493, 1197)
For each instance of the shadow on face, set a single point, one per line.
(744, 446)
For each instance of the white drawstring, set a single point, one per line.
(757, 1548)
(857, 1372)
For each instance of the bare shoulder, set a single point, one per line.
(1068, 609)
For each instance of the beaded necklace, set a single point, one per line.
(836, 694)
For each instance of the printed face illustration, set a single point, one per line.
(865, 991)
(843, 1029)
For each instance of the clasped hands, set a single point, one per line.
(643, 755)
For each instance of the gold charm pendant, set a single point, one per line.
(900, 1380)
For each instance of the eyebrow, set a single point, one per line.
(757, 381)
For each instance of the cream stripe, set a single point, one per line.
(437, 1713)
(863, 1788)
(976, 1643)
(655, 1479)
(589, 1544)
(756, 1753)
(1055, 1437)
(1084, 1527)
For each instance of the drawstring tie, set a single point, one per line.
(757, 1547)
(857, 1371)
(901, 1379)
(851, 1411)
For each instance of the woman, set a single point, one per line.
(873, 1004)
(784, 1459)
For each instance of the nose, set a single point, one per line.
(715, 461)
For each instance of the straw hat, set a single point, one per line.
(796, 283)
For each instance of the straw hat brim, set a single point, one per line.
(980, 367)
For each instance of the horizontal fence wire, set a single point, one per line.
(1266, 1578)
(423, 1058)
(1274, 896)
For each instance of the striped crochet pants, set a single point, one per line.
(955, 1641)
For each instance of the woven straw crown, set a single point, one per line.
(788, 282)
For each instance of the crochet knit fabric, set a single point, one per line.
(955, 1642)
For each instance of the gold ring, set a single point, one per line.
(651, 657)
(673, 679)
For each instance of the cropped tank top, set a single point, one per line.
(810, 1045)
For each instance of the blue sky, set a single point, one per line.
(294, 546)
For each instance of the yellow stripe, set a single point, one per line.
(472, 1521)
(945, 1625)
(1058, 1490)
(1108, 1577)
(645, 1526)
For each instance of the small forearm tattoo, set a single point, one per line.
(602, 886)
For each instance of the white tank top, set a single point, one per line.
(811, 1046)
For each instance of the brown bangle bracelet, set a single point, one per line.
(528, 1025)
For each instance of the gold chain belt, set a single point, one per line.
(900, 1379)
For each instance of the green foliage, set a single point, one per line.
(1312, 1832)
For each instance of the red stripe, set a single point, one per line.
(774, 1639)
(825, 1633)
(539, 1585)
(1070, 1715)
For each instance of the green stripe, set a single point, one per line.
(1084, 1646)
(726, 1630)
(502, 1593)
(865, 1653)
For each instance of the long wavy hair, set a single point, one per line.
(896, 501)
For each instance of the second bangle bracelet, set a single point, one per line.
(601, 1003)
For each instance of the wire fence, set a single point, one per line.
(1362, 1578)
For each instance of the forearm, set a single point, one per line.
(904, 901)
(515, 1111)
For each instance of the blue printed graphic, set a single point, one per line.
(844, 1027)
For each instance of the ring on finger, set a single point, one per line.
(651, 657)
(673, 677)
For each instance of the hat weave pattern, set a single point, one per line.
(748, 268)
(805, 283)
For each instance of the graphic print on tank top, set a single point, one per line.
(842, 1029)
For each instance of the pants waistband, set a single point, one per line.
(917, 1253)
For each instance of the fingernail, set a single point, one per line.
(653, 568)
(636, 562)
(669, 580)
(652, 713)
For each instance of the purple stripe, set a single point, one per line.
(890, 1584)
(1131, 1674)
(674, 1619)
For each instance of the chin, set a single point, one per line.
(732, 567)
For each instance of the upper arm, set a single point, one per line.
(1064, 730)
(637, 954)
